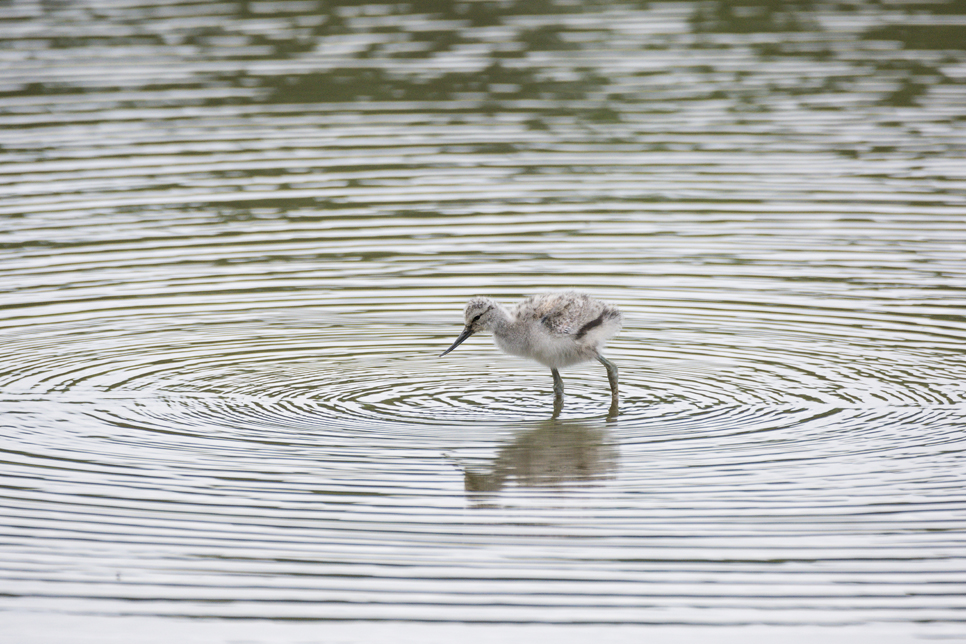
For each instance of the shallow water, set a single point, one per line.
(234, 238)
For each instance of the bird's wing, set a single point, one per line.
(566, 314)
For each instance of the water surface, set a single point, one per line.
(234, 238)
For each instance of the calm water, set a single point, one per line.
(236, 235)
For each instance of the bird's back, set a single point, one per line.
(566, 328)
(568, 313)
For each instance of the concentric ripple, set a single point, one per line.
(359, 371)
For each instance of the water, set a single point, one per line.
(235, 237)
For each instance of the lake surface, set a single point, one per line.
(235, 236)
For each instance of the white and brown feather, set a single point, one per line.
(555, 329)
(569, 314)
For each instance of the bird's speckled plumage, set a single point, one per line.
(555, 329)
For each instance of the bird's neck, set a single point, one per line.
(502, 319)
(507, 334)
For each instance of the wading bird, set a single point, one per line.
(555, 329)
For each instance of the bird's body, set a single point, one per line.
(555, 329)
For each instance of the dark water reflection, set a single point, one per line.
(234, 237)
(552, 454)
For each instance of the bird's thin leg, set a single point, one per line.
(558, 389)
(611, 377)
(557, 384)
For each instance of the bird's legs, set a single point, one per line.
(611, 374)
(558, 389)
(557, 384)
(612, 379)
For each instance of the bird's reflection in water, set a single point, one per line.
(553, 454)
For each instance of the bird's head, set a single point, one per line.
(480, 314)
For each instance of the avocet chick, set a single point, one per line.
(555, 329)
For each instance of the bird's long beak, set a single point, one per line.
(467, 332)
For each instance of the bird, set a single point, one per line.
(555, 329)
